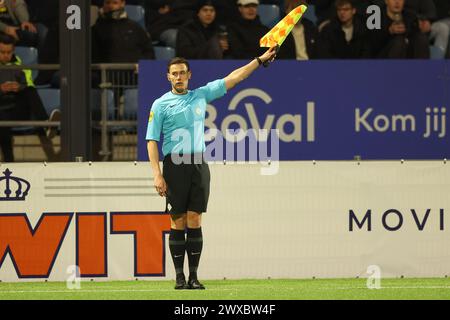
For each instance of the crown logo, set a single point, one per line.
(19, 186)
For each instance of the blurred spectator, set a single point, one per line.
(425, 11)
(43, 11)
(46, 12)
(280, 3)
(19, 100)
(399, 36)
(201, 38)
(345, 37)
(99, 3)
(15, 22)
(166, 16)
(117, 39)
(301, 43)
(326, 9)
(440, 29)
(244, 33)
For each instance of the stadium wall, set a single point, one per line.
(323, 110)
(324, 219)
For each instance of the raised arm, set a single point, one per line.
(244, 72)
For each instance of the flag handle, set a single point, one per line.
(267, 62)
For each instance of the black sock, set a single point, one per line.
(194, 245)
(177, 245)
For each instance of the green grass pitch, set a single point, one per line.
(349, 289)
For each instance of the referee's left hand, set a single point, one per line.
(161, 185)
(269, 55)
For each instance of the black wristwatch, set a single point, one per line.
(265, 64)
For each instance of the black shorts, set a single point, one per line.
(187, 185)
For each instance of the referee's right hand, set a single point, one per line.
(161, 185)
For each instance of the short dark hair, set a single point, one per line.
(202, 3)
(178, 60)
(341, 3)
(7, 39)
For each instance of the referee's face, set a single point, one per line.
(179, 77)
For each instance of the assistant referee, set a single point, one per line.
(180, 116)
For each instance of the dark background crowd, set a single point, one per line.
(229, 29)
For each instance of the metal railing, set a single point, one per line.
(110, 117)
(116, 78)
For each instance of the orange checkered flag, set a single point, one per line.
(279, 33)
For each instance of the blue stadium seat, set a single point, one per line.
(51, 98)
(310, 14)
(96, 104)
(131, 104)
(164, 53)
(436, 53)
(137, 14)
(269, 14)
(28, 55)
